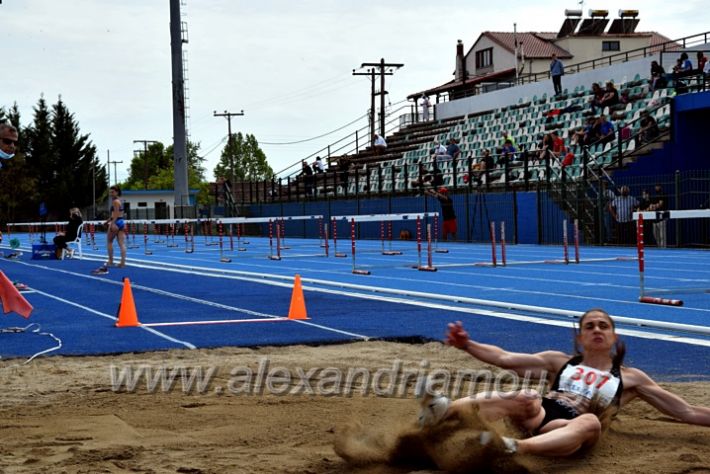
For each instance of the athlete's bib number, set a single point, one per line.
(589, 382)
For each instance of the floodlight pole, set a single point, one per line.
(178, 82)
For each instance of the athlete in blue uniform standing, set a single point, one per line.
(116, 228)
(589, 387)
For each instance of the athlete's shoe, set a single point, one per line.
(21, 286)
(102, 270)
(434, 408)
(502, 444)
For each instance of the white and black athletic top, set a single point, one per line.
(579, 385)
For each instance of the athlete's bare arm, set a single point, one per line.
(518, 362)
(638, 384)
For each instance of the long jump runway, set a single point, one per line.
(174, 287)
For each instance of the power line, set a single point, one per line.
(303, 90)
(315, 138)
(224, 139)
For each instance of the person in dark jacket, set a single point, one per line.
(72, 231)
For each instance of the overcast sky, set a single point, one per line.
(288, 64)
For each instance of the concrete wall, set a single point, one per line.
(619, 73)
(587, 48)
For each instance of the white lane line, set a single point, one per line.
(518, 317)
(635, 321)
(108, 316)
(202, 301)
(403, 293)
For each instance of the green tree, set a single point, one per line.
(76, 162)
(38, 149)
(243, 159)
(154, 169)
(62, 161)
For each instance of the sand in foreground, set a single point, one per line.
(60, 414)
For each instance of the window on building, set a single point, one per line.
(611, 45)
(484, 58)
(142, 204)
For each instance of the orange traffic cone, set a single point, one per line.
(298, 304)
(127, 316)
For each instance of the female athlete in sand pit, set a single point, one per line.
(589, 387)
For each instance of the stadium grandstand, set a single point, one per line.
(476, 110)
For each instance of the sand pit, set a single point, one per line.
(61, 414)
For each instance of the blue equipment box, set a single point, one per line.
(44, 252)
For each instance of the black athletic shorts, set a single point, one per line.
(555, 410)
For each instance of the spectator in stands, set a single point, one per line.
(659, 203)
(507, 153)
(438, 150)
(433, 178)
(568, 159)
(558, 143)
(61, 239)
(622, 208)
(545, 147)
(684, 64)
(557, 70)
(448, 215)
(624, 98)
(506, 136)
(379, 144)
(576, 136)
(307, 177)
(453, 149)
(610, 97)
(658, 77)
(479, 168)
(425, 108)
(649, 127)
(682, 68)
(701, 61)
(8, 141)
(318, 166)
(605, 129)
(597, 96)
(589, 131)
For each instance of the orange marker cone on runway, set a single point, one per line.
(127, 316)
(298, 304)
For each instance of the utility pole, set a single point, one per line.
(93, 185)
(381, 69)
(108, 166)
(115, 173)
(229, 116)
(145, 158)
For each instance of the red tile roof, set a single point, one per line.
(457, 83)
(535, 45)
